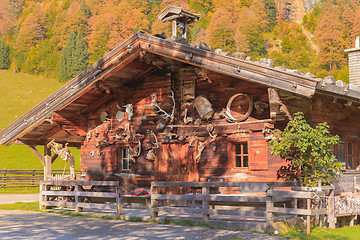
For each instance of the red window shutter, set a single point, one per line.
(258, 155)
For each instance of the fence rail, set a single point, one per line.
(81, 194)
(13, 178)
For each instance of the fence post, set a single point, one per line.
(5, 177)
(77, 208)
(119, 201)
(269, 212)
(331, 216)
(153, 211)
(308, 217)
(205, 203)
(41, 206)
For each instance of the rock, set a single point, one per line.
(162, 35)
(310, 75)
(218, 51)
(204, 46)
(267, 62)
(248, 58)
(281, 68)
(182, 40)
(339, 83)
(329, 80)
(240, 55)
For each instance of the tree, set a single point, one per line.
(74, 58)
(4, 55)
(307, 150)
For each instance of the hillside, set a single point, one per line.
(19, 92)
(308, 35)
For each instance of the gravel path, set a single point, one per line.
(12, 198)
(34, 225)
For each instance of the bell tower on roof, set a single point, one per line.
(180, 19)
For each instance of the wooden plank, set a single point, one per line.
(79, 194)
(96, 104)
(242, 185)
(80, 204)
(82, 183)
(293, 211)
(294, 194)
(213, 198)
(67, 124)
(37, 154)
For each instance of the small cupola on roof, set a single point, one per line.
(180, 18)
(354, 63)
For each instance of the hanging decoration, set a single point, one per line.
(227, 113)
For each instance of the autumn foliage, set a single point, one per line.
(37, 32)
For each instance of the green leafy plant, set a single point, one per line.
(307, 150)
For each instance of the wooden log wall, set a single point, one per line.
(189, 148)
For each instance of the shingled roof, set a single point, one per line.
(115, 74)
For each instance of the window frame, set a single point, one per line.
(232, 154)
(354, 153)
(120, 162)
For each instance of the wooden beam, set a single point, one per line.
(69, 126)
(37, 154)
(96, 104)
(47, 165)
(51, 132)
(53, 158)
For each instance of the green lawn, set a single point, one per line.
(19, 92)
(344, 233)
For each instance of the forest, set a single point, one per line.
(61, 38)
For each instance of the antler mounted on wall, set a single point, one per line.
(163, 113)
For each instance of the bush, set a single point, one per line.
(307, 150)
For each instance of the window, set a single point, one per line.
(246, 154)
(347, 152)
(350, 154)
(126, 159)
(241, 155)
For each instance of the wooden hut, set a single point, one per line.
(159, 109)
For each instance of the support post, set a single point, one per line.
(47, 166)
(153, 211)
(41, 206)
(331, 216)
(205, 203)
(119, 200)
(270, 219)
(77, 208)
(72, 167)
(174, 29)
(308, 217)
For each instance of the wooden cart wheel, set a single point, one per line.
(247, 114)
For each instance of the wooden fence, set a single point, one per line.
(81, 194)
(248, 201)
(11, 178)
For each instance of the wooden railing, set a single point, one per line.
(11, 178)
(306, 201)
(248, 199)
(81, 194)
(262, 201)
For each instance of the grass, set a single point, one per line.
(318, 233)
(26, 206)
(19, 92)
(22, 190)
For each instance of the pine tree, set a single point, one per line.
(74, 58)
(4, 55)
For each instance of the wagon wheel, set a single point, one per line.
(248, 112)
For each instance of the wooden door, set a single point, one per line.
(172, 163)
